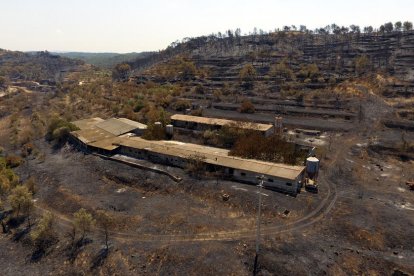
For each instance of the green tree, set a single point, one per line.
(106, 222)
(83, 221)
(187, 69)
(388, 27)
(398, 26)
(248, 75)
(282, 70)
(21, 200)
(59, 129)
(44, 234)
(408, 26)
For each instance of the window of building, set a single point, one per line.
(243, 174)
(288, 184)
(270, 180)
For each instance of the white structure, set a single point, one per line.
(312, 167)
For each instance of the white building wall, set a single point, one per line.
(289, 186)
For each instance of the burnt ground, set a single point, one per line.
(367, 229)
(360, 223)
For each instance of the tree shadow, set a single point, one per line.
(77, 248)
(37, 255)
(19, 235)
(41, 250)
(100, 258)
(15, 222)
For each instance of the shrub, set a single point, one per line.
(273, 149)
(155, 132)
(31, 184)
(181, 105)
(197, 112)
(59, 129)
(248, 75)
(199, 89)
(139, 104)
(13, 161)
(196, 166)
(246, 107)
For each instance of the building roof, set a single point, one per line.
(214, 156)
(102, 134)
(106, 144)
(221, 122)
(92, 134)
(87, 123)
(119, 126)
(97, 130)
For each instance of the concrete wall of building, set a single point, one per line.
(138, 131)
(269, 132)
(203, 127)
(153, 156)
(288, 186)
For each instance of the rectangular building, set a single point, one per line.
(103, 140)
(203, 123)
(282, 177)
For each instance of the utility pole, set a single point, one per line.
(260, 186)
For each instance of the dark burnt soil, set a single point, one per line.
(368, 231)
(149, 203)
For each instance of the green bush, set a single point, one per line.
(181, 105)
(59, 129)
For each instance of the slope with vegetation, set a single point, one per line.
(34, 66)
(335, 72)
(103, 60)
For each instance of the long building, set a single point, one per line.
(282, 177)
(204, 123)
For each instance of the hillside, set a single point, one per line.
(323, 70)
(334, 54)
(35, 66)
(346, 98)
(103, 60)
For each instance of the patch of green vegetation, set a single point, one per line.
(59, 130)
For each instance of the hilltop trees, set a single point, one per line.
(398, 26)
(388, 27)
(368, 29)
(408, 26)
